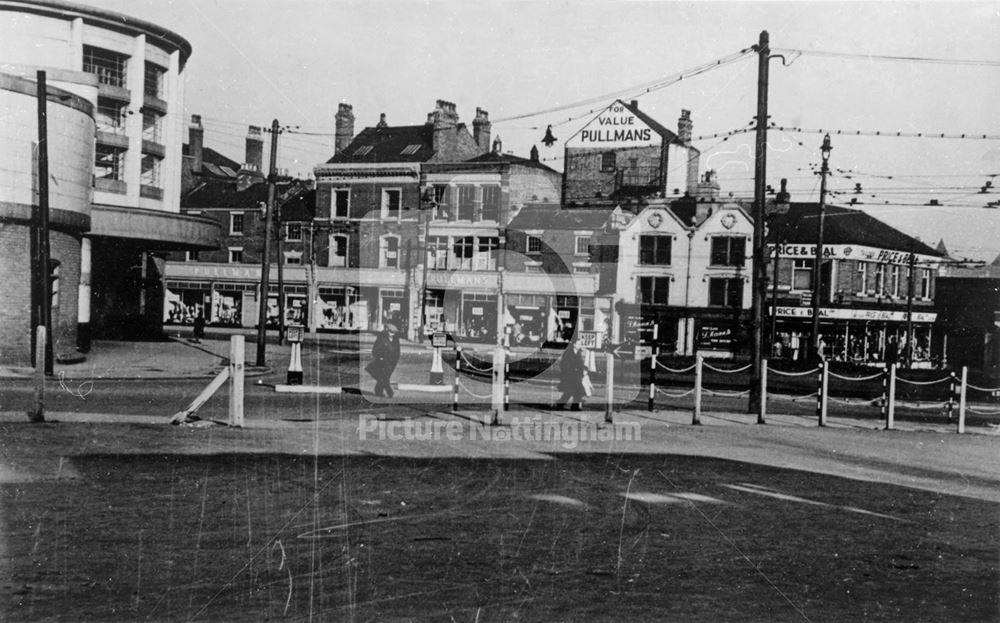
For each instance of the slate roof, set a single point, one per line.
(551, 216)
(389, 144)
(214, 161)
(298, 208)
(667, 134)
(841, 226)
(512, 159)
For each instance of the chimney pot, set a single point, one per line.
(196, 144)
(635, 103)
(344, 127)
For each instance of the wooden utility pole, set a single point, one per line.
(910, 342)
(817, 284)
(42, 229)
(759, 257)
(265, 262)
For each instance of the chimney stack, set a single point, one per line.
(534, 153)
(685, 127)
(255, 148)
(381, 122)
(783, 196)
(497, 145)
(708, 188)
(481, 127)
(344, 134)
(196, 144)
(444, 119)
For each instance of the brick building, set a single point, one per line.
(624, 153)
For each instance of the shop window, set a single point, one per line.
(727, 292)
(654, 290)
(582, 245)
(464, 249)
(235, 223)
(802, 274)
(389, 252)
(391, 203)
(654, 250)
(338, 250)
(293, 232)
(486, 258)
(235, 255)
(608, 159)
(437, 252)
(491, 203)
(466, 202)
(341, 202)
(534, 245)
(729, 251)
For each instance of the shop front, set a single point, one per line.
(654, 325)
(184, 300)
(340, 308)
(859, 336)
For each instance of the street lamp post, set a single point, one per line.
(817, 285)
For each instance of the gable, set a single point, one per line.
(617, 126)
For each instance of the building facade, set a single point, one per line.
(130, 72)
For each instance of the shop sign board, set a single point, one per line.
(851, 252)
(715, 337)
(855, 314)
(615, 127)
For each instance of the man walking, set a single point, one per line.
(385, 356)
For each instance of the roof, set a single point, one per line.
(841, 226)
(219, 195)
(551, 216)
(211, 157)
(405, 143)
(512, 159)
(657, 127)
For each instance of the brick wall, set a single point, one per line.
(15, 304)
(586, 179)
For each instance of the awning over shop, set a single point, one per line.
(161, 231)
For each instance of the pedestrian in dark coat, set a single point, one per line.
(572, 370)
(199, 327)
(385, 356)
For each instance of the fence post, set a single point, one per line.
(884, 403)
(497, 386)
(652, 379)
(819, 393)
(506, 379)
(824, 392)
(37, 413)
(609, 391)
(763, 392)
(458, 373)
(961, 400)
(696, 417)
(890, 415)
(951, 398)
(237, 360)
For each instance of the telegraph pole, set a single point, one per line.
(817, 285)
(42, 228)
(265, 262)
(759, 257)
(910, 342)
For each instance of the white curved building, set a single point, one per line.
(123, 77)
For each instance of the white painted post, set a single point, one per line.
(890, 414)
(961, 400)
(498, 383)
(696, 417)
(609, 391)
(237, 361)
(763, 391)
(825, 388)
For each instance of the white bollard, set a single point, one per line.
(237, 361)
(437, 368)
(961, 400)
(37, 414)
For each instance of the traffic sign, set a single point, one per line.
(439, 339)
(631, 350)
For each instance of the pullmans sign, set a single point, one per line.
(616, 126)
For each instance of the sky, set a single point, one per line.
(294, 60)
